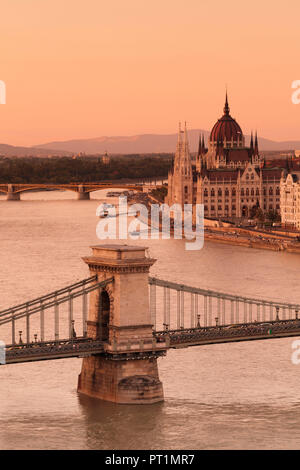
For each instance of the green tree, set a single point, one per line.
(260, 216)
(273, 216)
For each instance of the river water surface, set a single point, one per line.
(239, 395)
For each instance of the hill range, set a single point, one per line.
(150, 143)
(144, 143)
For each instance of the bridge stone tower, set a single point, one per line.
(119, 315)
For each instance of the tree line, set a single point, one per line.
(69, 170)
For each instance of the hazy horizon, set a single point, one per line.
(78, 70)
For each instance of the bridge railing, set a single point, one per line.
(56, 293)
(175, 306)
(58, 315)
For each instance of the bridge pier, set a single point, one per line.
(119, 315)
(11, 195)
(83, 196)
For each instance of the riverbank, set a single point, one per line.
(244, 241)
(232, 235)
(253, 238)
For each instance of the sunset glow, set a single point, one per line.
(77, 69)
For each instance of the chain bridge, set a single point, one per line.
(120, 320)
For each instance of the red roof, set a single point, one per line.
(221, 175)
(238, 155)
(271, 174)
(226, 127)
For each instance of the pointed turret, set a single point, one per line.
(199, 146)
(256, 145)
(186, 144)
(251, 142)
(182, 159)
(226, 107)
(179, 141)
(182, 179)
(199, 155)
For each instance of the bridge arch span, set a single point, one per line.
(41, 187)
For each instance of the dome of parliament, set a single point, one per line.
(226, 128)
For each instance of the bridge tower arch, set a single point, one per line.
(126, 372)
(103, 316)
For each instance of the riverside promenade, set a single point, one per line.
(231, 234)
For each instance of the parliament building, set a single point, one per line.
(227, 177)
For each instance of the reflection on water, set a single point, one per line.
(241, 395)
(111, 426)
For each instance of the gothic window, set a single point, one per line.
(252, 192)
(247, 177)
(226, 192)
(219, 192)
(212, 193)
(277, 191)
(205, 208)
(233, 191)
(233, 207)
(242, 192)
(185, 189)
(219, 208)
(271, 191)
(247, 192)
(212, 208)
(252, 176)
(257, 192)
(205, 192)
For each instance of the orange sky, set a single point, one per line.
(88, 68)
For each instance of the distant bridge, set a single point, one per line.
(82, 190)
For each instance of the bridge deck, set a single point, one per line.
(229, 333)
(80, 347)
(61, 349)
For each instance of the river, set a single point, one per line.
(227, 396)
